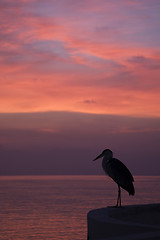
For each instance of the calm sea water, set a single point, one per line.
(55, 207)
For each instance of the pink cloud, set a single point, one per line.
(54, 58)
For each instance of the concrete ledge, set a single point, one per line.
(129, 222)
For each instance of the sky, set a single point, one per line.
(78, 77)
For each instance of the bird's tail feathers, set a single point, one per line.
(131, 190)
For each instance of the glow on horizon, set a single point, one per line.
(92, 57)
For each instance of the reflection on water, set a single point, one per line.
(55, 207)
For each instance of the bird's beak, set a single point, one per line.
(101, 155)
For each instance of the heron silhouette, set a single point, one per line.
(118, 172)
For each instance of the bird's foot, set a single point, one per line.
(113, 206)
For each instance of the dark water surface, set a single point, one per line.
(55, 207)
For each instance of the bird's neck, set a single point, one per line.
(105, 161)
(107, 158)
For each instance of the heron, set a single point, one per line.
(115, 169)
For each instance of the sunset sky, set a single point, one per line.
(78, 77)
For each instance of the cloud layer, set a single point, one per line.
(66, 143)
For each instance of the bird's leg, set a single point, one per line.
(117, 202)
(118, 196)
(119, 190)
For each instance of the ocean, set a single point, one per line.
(56, 207)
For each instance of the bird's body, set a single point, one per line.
(119, 173)
(115, 169)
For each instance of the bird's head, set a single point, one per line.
(106, 153)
